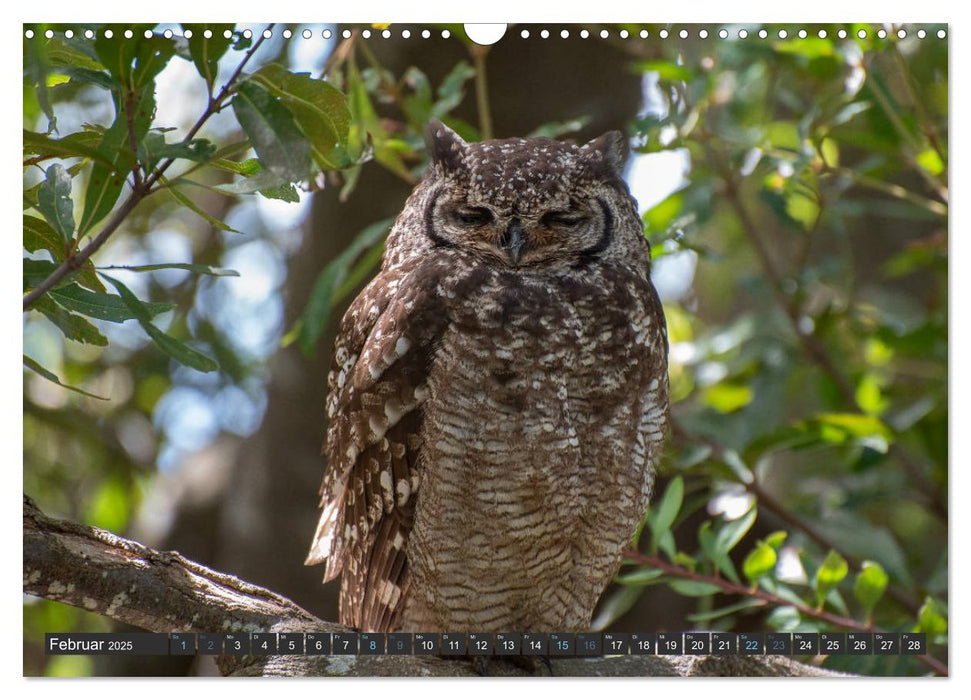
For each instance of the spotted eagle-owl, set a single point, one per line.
(498, 396)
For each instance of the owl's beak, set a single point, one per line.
(512, 241)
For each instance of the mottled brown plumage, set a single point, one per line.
(498, 396)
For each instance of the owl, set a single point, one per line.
(498, 396)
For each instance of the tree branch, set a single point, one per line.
(164, 592)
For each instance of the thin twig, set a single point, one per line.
(732, 588)
(140, 191)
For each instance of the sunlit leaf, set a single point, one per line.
(759, 562)
(932, 618)
(870, 585)
(833, 570)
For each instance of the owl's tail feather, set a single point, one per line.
(326, 545)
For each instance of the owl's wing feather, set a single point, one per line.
(377, 386)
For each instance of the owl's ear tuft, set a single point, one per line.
(608, 151)
(445, 146)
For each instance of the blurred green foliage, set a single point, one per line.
(809, 363)
(806, 473)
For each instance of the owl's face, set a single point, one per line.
(530, 204)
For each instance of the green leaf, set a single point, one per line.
(73, 327)
(38, 235)
(134, 62)
(281, 146)
(664, 515)
(37, 68)
(776, 539)
(721, 560)
(175, 349)
(286, 193)
(451, 92)
(833, 570)
(153, 148)
(323, 297)
(54, 202)
(82, 144)
(732, 532)
(182, 199)
(107, 307)
(319, 108)
(932, 618)
(694, 589)
(191, 267)
(639, 577)
(61, 53)
(870, 585)
(759, 562)
(35, 366)
(207, 52)
(246, 168)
